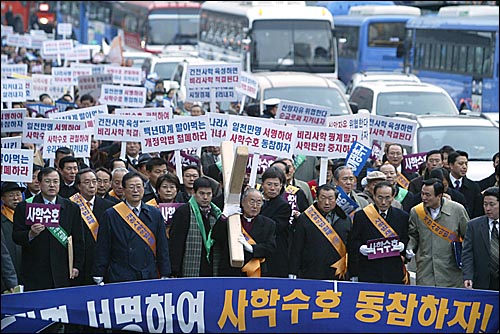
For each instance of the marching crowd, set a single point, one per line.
(109, 216)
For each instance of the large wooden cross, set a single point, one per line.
(233, 171)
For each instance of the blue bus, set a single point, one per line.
(369, 36)
(458, 50)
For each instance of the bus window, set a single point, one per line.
(348, 40)
(386, 34)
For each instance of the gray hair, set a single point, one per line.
(118, 170)
(336, 174)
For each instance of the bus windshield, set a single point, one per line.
(173, 30)
(292, 45)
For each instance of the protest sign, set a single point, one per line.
(17, 165)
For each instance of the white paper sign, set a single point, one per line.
(353, 122)
(159, 114)
(179, 133)
(17, 165)
(35, 128)
(218, 127)
(126, 96)
(391, 130)
(119, 127)
(78, 141)
(82, 114)
(11, 142)
(262, 137)
(13, 90)
(9, 69)
(302, 113)
(248, 85)
(325, 142)
(12, 119)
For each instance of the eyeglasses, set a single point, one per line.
(255, 203)
(89, 182)
(135, 186)
(49, 182)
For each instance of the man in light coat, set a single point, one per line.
(436, 262)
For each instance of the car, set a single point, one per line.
(137, 57)
(300, 87)
(475, 134)
(399, 98)
(375, 76)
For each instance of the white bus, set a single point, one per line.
(269, 36)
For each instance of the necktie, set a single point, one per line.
(89, 205)
(494, 249)
(383, 215)
(457, 184)
(136, 211)
(134, 162)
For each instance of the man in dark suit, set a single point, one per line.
(458, 162)
(260, 229)
(491, 180)
(68, 167)
(132, 241)
(92, 208)
(480, 246)
(433, 160)
(278, 209)
(394, 156)
(382, 270)
(44, 257)
(314, 255)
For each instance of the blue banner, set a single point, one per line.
(357, 156)
(228, 305)
(345, 202)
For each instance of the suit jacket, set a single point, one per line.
(476, 253)
(111, 198)
(9, 276)
(67, 191)
(121, 254)
(44, 259)
(85, 277)
(279, 210)
(312, 255)
(384, 270)
(472, 193)
(487, 182)
(262, 232)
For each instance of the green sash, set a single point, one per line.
(58, 232)
(207, 241)
(402, 192)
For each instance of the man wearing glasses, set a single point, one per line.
(132, 241)
(44, 263)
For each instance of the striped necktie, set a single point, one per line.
(494, 249)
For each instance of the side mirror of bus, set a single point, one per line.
(354, 107)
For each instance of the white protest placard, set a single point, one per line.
(176, 134)
(302, 113)
(204, 81)
(17, 165)
(353, 122)
(12, 119)
(78, 54)
(78, 141)
(218, 127)
(35, 128)
(91, 84)
(40, 83)
(125, 96)
(9, 69)
(262, 137)
(55, 47)
(62, 75)
(248, 85)
(64, 29)
(159, 114)
(4, 58)
(37, 42)
(391, 130)
(11, 142)
(80, 71)
(20, 41)
(7, 30)
(325, 142)
(13, 90)
(82, 114)
(119, 127)
(124, 75)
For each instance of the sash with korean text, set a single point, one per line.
(153, 202)
(8, 212)
(385, 229)
(113, 194)
(137, 225)
(252, 267)
(87, 214)
(402, 180)
(324, 226)
(58, 232)
(435, 228)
